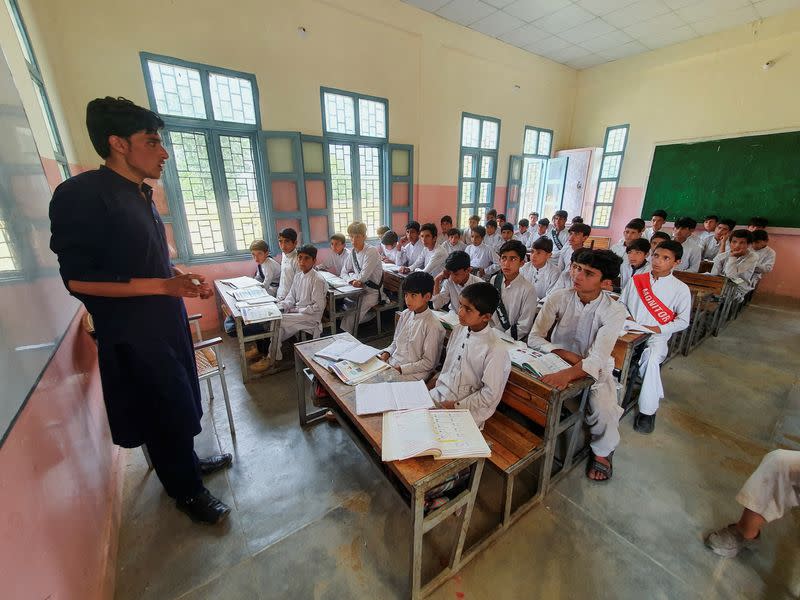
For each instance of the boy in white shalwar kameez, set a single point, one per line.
(431, 259)
(635, 261)
(484, 260)
(518, 301)
(287, 240)
(362, 269)
(410, 246)
(766, 255)
(577, 235)
(418, 336)
(448, 284)
(663, 304)
(586, 324)
(334, 262)
(739, 263)
(539, 270)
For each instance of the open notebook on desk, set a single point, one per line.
(537, 363)
(351, 350)
(238, 283)
(260, 313)
(256, 292)
(373, 398)
(443, 434)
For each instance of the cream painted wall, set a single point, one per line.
(429, 69)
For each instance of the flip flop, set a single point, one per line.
(596, 465)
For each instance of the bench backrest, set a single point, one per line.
(711, 283)
(597, 243)
(520, 396)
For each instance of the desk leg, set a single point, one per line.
(332, 312)
(576, 429)
(418, 531)
(306, 418)
(242, 358)
(455, 558)
(275, 341)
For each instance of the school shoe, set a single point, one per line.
(204, 508)
(252, 353)
(261, 366)
(645, 423)
(729, 541)
(214, 463)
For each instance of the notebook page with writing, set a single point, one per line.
(373, 398)
(407, 434)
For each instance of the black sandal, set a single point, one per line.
(596, 465)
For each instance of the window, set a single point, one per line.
(8, 262)
(536, 148)
(212, 121)
(38, 84)
(355, 128)
(610, 167)
(480, 138)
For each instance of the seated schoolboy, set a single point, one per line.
(491, 215)
(501, 220)
(633, 231)
(477, 365)
(334, 262)
(445, 225)
(578, 234)
(506, 233)
(453, 241)
(431, 259)
(533, 218)
(739, 263)
(766, 255)
(449, 283)
(539, 270)
(483, 259)
(541, 228)
(492, 239)
(657, 238)
(380, 231)
(585, 325)
(716, 243)
(418, 336)
(559, 234)
(304, 304)
(410, 245)
(518, 301)
(387, 249)
(663, 304)
(635, 261)
(466, 234)
(287, 240)
(577, 219)
(523, 235)
(657, 220)
(692, 253)
(709, 226)
(362, 269)
(757, 223)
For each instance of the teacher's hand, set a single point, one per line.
(182, 286)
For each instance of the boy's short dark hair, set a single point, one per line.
(483, 296)
(117, 116)
(758, 222)
(288, 233)
(308, 250)
(501, 216)
(675, 247)
(513, 246)
(640, 244)
(480, 230)
(474, 218)
(660, 212)
(418, 282)
(661, 235)
(507, 227)
(684, 222)
(543, 243)
(710, 217)
(457, 260)
(524, 223)
(743, 233)
(491, 223)
(259, 246)
(544, 221)
(446, 219)
(492, 212)
(430, 227)
(577, 219)
(760, 235)
(636, 224)
(382, 229)
(453, 231)
(389, 238)
(605, 261)
(580, 228)
(338, 237)
(561, 213)
(413, 225)
(729, 222)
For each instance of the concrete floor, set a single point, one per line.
(313, 518)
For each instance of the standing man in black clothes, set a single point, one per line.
(114, 258)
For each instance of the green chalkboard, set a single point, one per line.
(735, 178)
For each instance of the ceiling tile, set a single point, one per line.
(547, 45)
(499, 3)
(497, 23)
(530, 10)
(609, 40)
(592, 60)
(676, 4)
(628, 49)
(637, 12)
(587, 31)
(524, 35)
(743, 15)
(566, 18)
(566, 54)
(667, 38)
(655, 26)
(770, 8)
(709, 9)
(429, 5)
(603, 7)
(465, 12)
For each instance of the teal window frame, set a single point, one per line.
(615, 180)
(40, 88)
(478, 154)
(535, 156)
(212, 129)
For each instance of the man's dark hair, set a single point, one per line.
(389, 238)
(446, 219)
(524, 223)
(338, 237)
(758, 222)
(544, 221)
(507, 227)
(714, 217)
(117, 116)
(501, 216)
(543, 243)
(491, 223)
(457, 260)
(661, 235)
(288, 233)
(685, 222)
(729, 222)
(413, 225)
(513, 246)
(675, 247)
(309, 250)
(418, 282)
(636, 224)
(480, 230)
(743, 233)
(561, 213)
(453, 231)
(580, 228)
(491, 212)
(760, 235)
(430, 227)
(474, 218)
(483, 296)
(640, 244)
(604, 261)
(660, 212)
(577, 219)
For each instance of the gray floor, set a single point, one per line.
(313, 518)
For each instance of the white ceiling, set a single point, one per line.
(585, 33)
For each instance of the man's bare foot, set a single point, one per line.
(600, 468)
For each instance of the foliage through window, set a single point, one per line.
(610, 168)
(480, 139)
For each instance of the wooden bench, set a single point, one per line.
(392, 282)
(597, 242)
(711, 299)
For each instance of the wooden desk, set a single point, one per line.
(412, 478)
(272, 328)
(623, 353)
(334, 314)
(393, 282)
